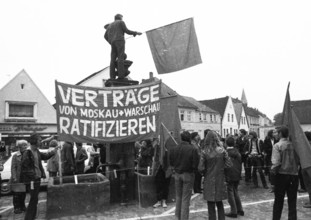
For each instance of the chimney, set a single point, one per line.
(150, 75)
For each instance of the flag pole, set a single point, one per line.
(161, 27)
(169, 133)
(168, 24)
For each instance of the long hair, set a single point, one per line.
(211, 141)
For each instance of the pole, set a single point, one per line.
(60, 167)
(169, 134)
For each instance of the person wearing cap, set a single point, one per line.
(53, 162)
(32, 171)
(18, 197)
(115, 36)
(195, 141)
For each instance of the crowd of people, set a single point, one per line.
(219, 161)
(27, 170)
(212, 166)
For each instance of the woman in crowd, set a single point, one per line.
(213, 161)
(18, 195)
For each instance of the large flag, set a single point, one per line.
(298, 137)
(174, 47)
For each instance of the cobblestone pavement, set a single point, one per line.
(257, 204)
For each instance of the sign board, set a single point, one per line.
(113, 115)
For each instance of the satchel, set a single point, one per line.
(18, 187)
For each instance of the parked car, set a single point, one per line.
(6, 174)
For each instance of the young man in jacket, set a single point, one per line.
(285, 167)
(185, 160)
(255, 159)
(32, 171)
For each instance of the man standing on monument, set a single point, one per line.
(115, 37)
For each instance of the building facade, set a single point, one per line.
(24, 110)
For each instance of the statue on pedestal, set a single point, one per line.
(115, 36)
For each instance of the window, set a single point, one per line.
(232, 118)
(204, 117)
(21, 111)
(188, 115)
(231, 131)
(200, 116)
(215, 118)
(182, 115)
(228, 117)
(211, 117)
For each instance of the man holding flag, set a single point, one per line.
(115, 37)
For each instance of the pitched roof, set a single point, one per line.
(302, 109)
(184, 103)
(91, 76)
(199, 105)
(217, 104)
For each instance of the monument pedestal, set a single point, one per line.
(122, 180)
(120, 82)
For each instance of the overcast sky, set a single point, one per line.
(258, 46)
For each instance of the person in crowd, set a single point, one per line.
(68, 160)
(255, 159)
(272, 176)
(81, 156)
(267, 151)
(195, 141)
(306, 177)
(185, 159)
(213, 161)
(115, 36)
(18, 196)
(53, 162)
(240, 144)
(94, 161)
(146, 155)
(285, 168)
(32, 171)
(233, 175)
(162, 170)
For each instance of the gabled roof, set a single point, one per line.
(302, 109)
(91, 76)
(23, 72)
(217, 104)
(199, 105)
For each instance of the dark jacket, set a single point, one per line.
(116, 30)
(146, 156)
(259, 147)
(212, 164)
(233, 173)
(240, 144)
(81, 156)
(184, 158)
(67, 157)
(28, 172)
(16, 167)
(267, 146)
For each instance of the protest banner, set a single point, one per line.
(111, 115)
